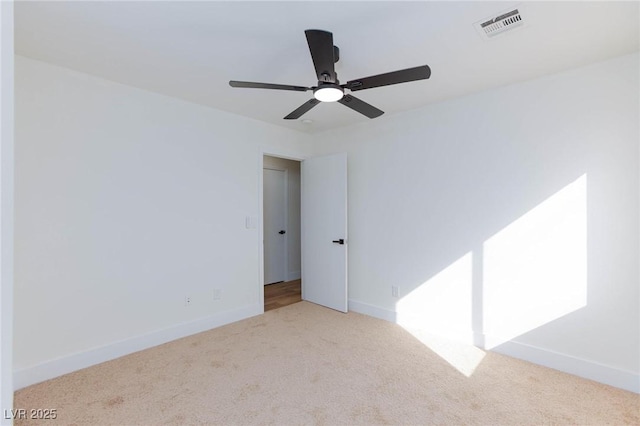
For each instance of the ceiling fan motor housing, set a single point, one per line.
(326, 75)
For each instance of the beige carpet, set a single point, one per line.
(304, 364)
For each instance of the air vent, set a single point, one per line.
(501, 23)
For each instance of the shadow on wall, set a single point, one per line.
(526, 275)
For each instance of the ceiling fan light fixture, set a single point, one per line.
(328, 93)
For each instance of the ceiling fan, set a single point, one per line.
(329, 89)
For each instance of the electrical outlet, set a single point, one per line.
(187, 301)
(394, 290)
(217, 294)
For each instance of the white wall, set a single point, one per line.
(105, 171)
(475, 208)
(293, 212)
(126, 202)
(6, 207)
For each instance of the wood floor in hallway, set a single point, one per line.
(282, 294)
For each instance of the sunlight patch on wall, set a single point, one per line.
(442, 306)
(535, 269)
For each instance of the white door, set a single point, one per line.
(324, 231)
(274, 226)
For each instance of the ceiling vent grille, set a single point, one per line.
(506, 21)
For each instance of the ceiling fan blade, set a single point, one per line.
(302, 109)
(321, 47)
(360, 106)
(250, 85)
(395, 77)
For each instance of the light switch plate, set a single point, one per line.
(250, 222)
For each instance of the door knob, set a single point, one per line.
(282, 232)
(340, 241)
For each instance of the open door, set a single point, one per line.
(324, 231)
(274, 225)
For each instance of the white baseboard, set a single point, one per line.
(372, 311)
(578, 367)
(294, 275)
(77, 361)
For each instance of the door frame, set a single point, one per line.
(286, 218)
(287, 155)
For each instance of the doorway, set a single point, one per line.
(281, 232)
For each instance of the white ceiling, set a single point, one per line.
(190, 50)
